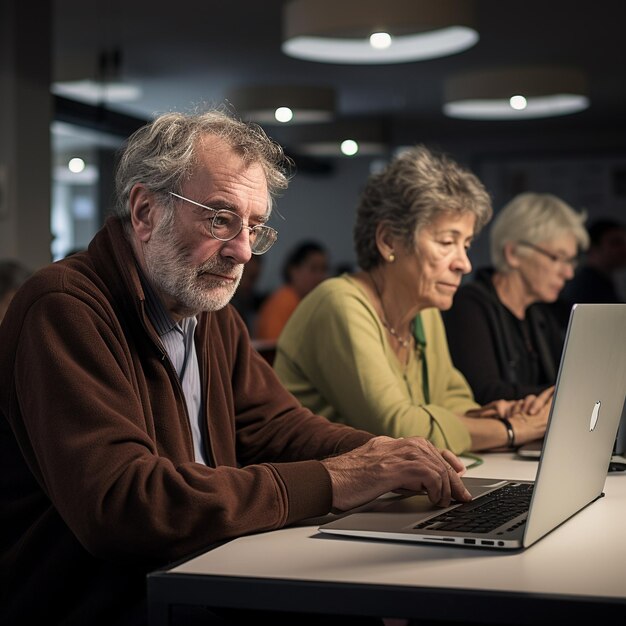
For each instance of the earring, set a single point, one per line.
(392, 257)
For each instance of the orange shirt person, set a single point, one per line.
(305, 267)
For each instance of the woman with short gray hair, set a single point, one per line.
(369, 349)
(514, 347)
(529, 220)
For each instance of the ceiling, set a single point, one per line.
(191, 53)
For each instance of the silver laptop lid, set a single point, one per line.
(587, 406)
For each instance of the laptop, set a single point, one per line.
(579, 440)
(533, 449)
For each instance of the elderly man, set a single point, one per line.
(137, 424)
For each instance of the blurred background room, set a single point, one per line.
(77, 80)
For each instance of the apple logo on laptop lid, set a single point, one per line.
(594, 416)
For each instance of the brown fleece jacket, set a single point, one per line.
(98, 483)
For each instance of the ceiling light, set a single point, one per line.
(518, 103)
(280, 104)
(515, 93)
(402, 30)
(345, 138)
(380, 41)
(76, 165)
(96, 92)
(283, 114)
(106, 87)
(349, 147)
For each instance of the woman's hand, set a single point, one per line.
(497, 409)
(530, 405)
(491, 433)
(529, 427)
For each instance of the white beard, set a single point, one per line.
(192, 288)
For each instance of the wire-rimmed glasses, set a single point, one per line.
(555, 258)
(226, 225)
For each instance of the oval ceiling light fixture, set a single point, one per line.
(377, 31)
(284, 104)
(95, 92)
(107, 86)
(515, 93)
(342, 139)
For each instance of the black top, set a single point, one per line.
(501, 356)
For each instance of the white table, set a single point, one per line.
(576, 574)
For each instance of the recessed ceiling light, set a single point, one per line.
(283, 114)
(519, 103)
(76, 165)
(343, 138)
(349, 147)
(284, 104)
(380, 41)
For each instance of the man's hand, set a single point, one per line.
(385, 464)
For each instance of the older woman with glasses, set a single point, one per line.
(502, 335)
(369, 349)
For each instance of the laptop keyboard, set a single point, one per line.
(486, 513)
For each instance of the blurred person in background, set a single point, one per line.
(501, 330)
(305, 267)
(247, 298)
(594, 280)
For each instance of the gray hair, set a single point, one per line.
(415, 188)
(535, 218)
(162, 154)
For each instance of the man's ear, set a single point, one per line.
(511, 255)
(143, 211)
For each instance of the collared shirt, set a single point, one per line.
(177, 339)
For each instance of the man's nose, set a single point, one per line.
(238, 248)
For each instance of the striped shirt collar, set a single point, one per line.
(158, 314)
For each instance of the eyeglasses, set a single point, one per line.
(555, 258)
(226, 225)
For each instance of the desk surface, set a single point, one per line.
(576, 573)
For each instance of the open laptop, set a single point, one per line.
(533, 449)
(579, 440)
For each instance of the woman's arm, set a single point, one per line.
(334, 351)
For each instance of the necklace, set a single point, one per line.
(403, 341)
